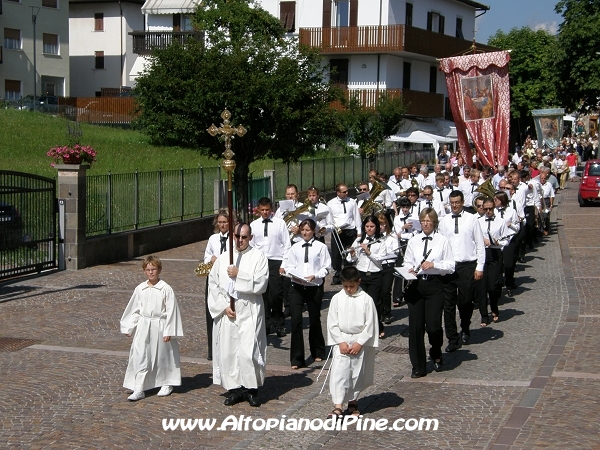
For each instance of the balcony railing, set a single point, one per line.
(385, 39)
(144, 42)
(423, 104)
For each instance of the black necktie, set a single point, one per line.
(223, 240)
(426, 239)
(344, 205)
(266, 222)
(441, 196)
(405, 218)
(429, 203)
(501, 211)
(370, 240)
(306, 245)
(473, 186)
(489, 220)
(514, 205)
(455, 217)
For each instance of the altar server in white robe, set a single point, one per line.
(153, 317)
(239, 334)
(352, 330)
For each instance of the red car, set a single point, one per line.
(589, 185)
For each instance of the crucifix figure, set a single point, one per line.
(229, 133)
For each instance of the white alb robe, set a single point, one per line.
(240, 344)
(352, 318)
(151, 314)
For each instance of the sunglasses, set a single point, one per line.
(238, 236)
(363, 190)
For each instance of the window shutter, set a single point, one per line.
(50, 39)
(99, 22)
(429, 21)
(287, 12)
(353, 13)
(12, 86)
(442, 20)
(11, 33)
(99, 63)
(326, 13)
(409, 14)
(433, 70)
(50, 3)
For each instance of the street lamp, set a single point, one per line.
(35, 10)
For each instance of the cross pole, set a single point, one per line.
(228, 133)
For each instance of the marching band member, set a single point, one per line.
(468, 188)
(308, 260)
(387, 266)
(428, 257)
(513, 225)
(404, 231)
(367, 252)
(322, 214)
(291, 193)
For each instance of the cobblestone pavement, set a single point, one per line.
(530, 381)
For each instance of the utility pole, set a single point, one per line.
(35, 10)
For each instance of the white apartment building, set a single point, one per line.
(26, 62)
(101, 50)
(386, 44)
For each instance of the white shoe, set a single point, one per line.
(164, 391)
(136, 396)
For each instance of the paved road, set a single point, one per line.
(530, 381)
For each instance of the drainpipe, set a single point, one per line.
(378, 54)
(121, 41)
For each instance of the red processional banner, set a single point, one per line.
(479, 94)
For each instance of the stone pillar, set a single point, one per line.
(72, 188)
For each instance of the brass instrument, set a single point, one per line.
(291, 217)
(414, 182)
(203, 269)
(370, 206)
(487, 188)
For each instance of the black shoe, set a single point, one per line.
(511, 287)
(281, 332)
(509, 293)
(452, 347)
(416, 374)
(521, 259)
(253, 399)
(233, 399)
(387, 320)
(287, 313)
(437, 365)
(465, 338)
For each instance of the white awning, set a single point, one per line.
(169, 6)
(421, 137)
(138, 67)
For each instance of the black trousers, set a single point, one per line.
(491, 283)
(425, 299)
(273, 298)
(387, 279)
(509, 256)
(312, 296)
(370, 282)
(209, 322)
(347, 237)
(459, 291)
(529, 235)
(398, 280)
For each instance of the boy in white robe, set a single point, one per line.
(153, 317)
(353, 330)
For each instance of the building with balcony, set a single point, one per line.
(387, 45)
(101, 51)
(26, 61)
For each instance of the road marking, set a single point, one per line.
(594, 376)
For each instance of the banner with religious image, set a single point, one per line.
(548, 126)
(479, 94)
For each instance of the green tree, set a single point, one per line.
(370, 127)
(578, 63)
(272, 86)
(532, 73)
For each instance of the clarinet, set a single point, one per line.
(417, 270)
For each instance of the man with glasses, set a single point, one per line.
(240, 339)
(346, 219)
(465, 236)
(431, 201)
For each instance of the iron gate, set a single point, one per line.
(27, 223)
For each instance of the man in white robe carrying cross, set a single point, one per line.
(239, 334)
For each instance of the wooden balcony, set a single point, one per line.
(146, 41)
(394, 39)
(422, 104)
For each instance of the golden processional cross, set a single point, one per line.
(228, 133)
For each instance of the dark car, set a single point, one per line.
(11, 226)
(45, 103)
(589, 185)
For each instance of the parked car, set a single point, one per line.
(11, 226)
(45, 103)
(589, 184)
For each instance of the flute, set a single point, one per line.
(358, 248)
(417, 270)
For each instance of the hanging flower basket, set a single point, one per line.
(77, 154)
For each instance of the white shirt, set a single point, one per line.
(496, 180)
(469, 191)
(467, 245)
(441, 254)
(277, 243)
(213, 247)
(299, 218)
(323, 218)
(547, 191)
(495, 232)
(391, 247)
(511, 219)
(319, 261)
(532, 197)
(344, 213)
(399, 222)
(364, 262)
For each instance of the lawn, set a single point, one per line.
(26, 136)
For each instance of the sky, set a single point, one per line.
(508, 14)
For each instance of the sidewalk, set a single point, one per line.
(529, 381)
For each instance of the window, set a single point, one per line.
(409, 12)
(176, 22)
(50, 3)
(99, 22)
(406, 76)
(12, 89)
(459, 33)
(339, 71)
(12, 39)
(287, 16)
(50, 44)
(346, 13)
(99, 60)
(433, 78)
(186, 23)
(435, 22)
